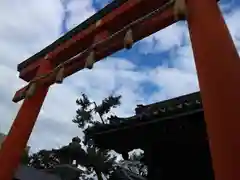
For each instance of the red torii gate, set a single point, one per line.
(124, 22)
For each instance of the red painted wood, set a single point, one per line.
(101, 36)
(16, 141)
(140, 31)
(30, 71)
(128, 12)
(218, 69)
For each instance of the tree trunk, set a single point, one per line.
(99, 174)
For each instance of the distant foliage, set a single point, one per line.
(97, 162)
(44, 159)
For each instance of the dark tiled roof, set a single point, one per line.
(178, 120)
(164, 110)
(29, 173)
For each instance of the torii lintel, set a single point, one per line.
(99, 27)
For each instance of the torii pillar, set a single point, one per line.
(218, 69)
(21, 128)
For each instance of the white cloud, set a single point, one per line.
(27, 29)
(8, 84)
(175, 39)
(177, 35)
(114, 75)
(232, 19)
(79, 10)
(173, 83)
(167, 39)
(182, 59)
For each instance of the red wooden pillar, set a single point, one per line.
(218, 68)
(16, 141)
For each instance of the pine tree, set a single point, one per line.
(94, 159)
(84, 114)
(99, 160)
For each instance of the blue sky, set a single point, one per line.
(159, 67)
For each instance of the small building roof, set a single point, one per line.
(29, 173)
(162, 119)
(149, 113)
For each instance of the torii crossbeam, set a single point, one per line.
(119, 25)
